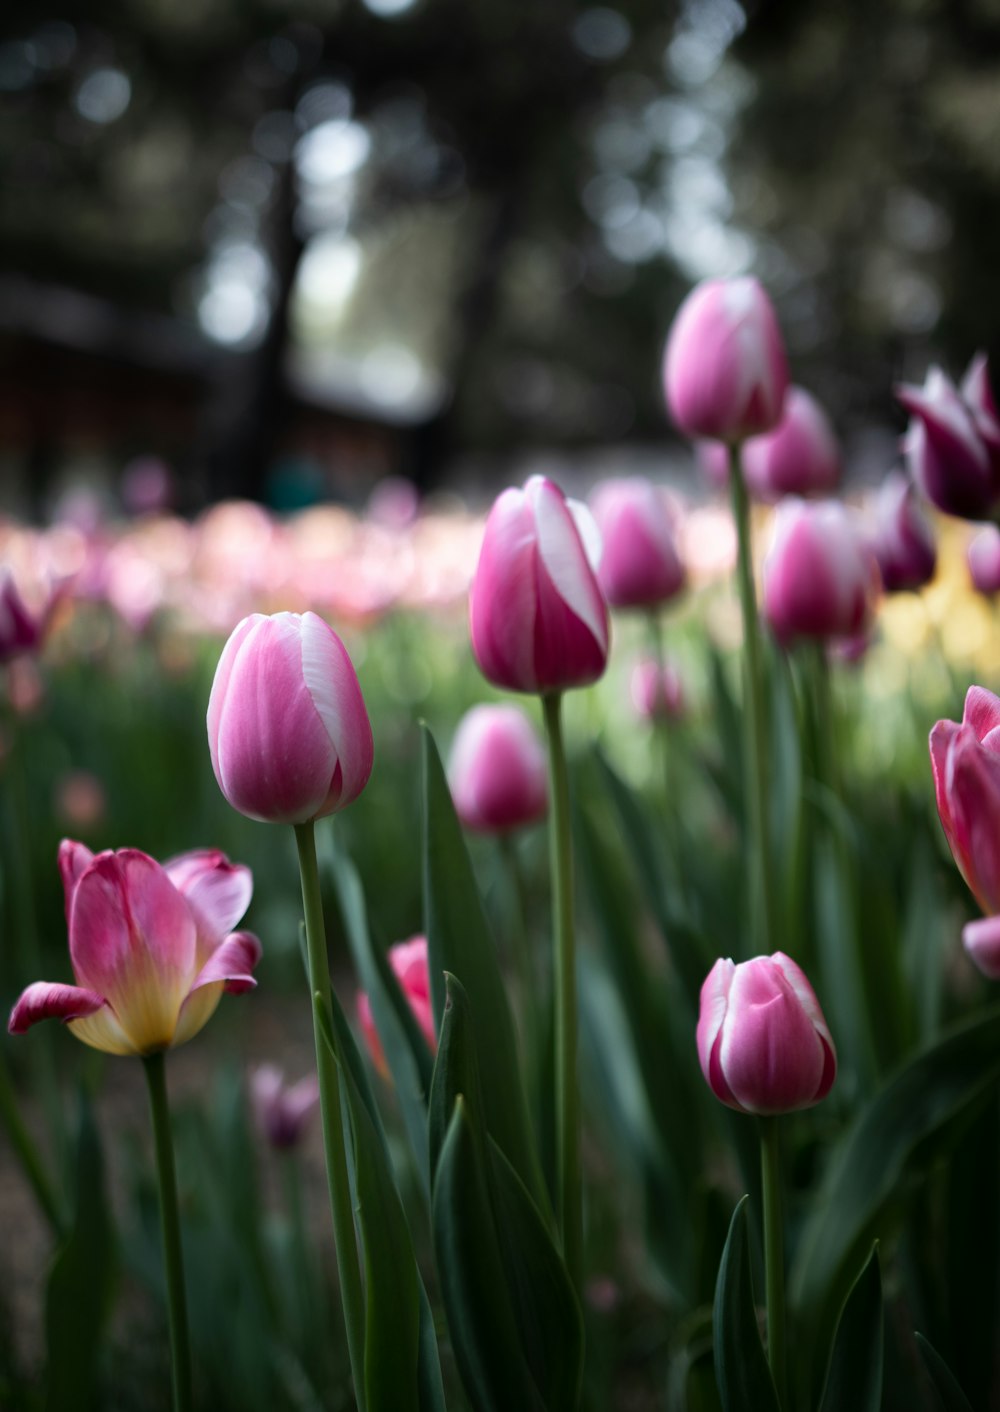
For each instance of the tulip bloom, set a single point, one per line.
(983, 559)
(282, 1110)
(903, 538)
(820, 577)
(408, 960)
(799, 457)
(724, 368)
(497, 771)
(656, 691)
(952, 444)
(21, 631)
(151, 947)
(288, 731)
(538, 619)
(640, 564)
(763, 1044)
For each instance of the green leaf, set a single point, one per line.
(950, 1396)
(741, 1372)
(854, 1383)
(78, 1292)
(895, 1139)
(459, 940)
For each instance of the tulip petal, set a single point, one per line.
(217, 891)
(565, 560)
(972, 784)
(503, 596)
(332, 684)
(711, 1014)
(74, 859)
(982, 711)
(981, 940)
(797, 979)
(232, 962)
(49, 1000)
(771, 1056)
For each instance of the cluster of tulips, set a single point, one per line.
(154, 946)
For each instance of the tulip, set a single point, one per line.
(656, 691)
(288, 731)
(724, 369)
(497, 771)
(21, 631)
(983, 559)
(763, 1044)
(640, 565)
(282, 1110)
(903, 537)
(952, 444)
(151, 948)
(538, 619)
(408, 960)
(820, 577)
(965, 760)
(799, 457)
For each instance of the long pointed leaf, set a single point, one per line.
(950, 1396)
(854, 1383)
(741, 1372)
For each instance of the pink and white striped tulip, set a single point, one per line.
(282, 1110)
(983, 559)
(952, 444)
(724, 367)
(287, 727)
(640, 563)
(408, 960)
(799, 457)
(498, 770)
(820, 575)
(902, 537)
(763, 1044)
(537, 617)
(151, 948)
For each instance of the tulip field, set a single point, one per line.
(540, 956)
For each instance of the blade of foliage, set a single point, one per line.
(950, 1396)
(972, 1282)
(741, 1372)
(459, 941)
(854, 1382)
(897, 1137)
(78, 1292)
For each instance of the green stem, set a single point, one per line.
(170, 1226)
(569, 1198)
(330, 1107)
(27, 1152)
(523, 958)
(755, 737)
(774, 1267)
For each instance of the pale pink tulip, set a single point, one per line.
(640, 564)
(497, 771)
(983, 559)
(408, 960)
(282, 1110)
(657, 692)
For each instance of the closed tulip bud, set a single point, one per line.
(983, 558)
(657, 692)
(902, 537)
(408, 960)
(287, 727)
(799, 457)
(537, 617)
(498, 772)
(763, 1044)
(151, 947)
(640, 564)
(282, 1110)
(724, 369)
(820, 576)
(952, 444)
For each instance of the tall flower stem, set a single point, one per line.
(170, 1226)
(569, 1204)
(331, 1110)
(774, 1257)
(755, 737)
(521, 953)
(28, 1155)
(673, 828)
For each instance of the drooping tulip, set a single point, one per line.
(282, 1110)
(724, 370)
(537, 617)
(408, 960)
(983, 559)
(288, 731)
(902, 537)
(151, 948)
(640, 564)
(799, 457)
(952, 444)
(763, 1044)
(497, 771)
(820, 576)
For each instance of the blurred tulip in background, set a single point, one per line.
(820, 577)
(902, 537)
(408, 960)
(640, 564)
(498, 772)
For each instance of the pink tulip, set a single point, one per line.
(763, 1044)
(21, 631)
(537, 616)
(498, 771)
(657, 692)
(640, 564)
(151, 948)
(724, 368)
(903, 537)
(408, 960)
(965, 759)
(287, 727)
(799, 457)
(983, 558)
(952, 444)
(820, 576)
(282, 1110)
